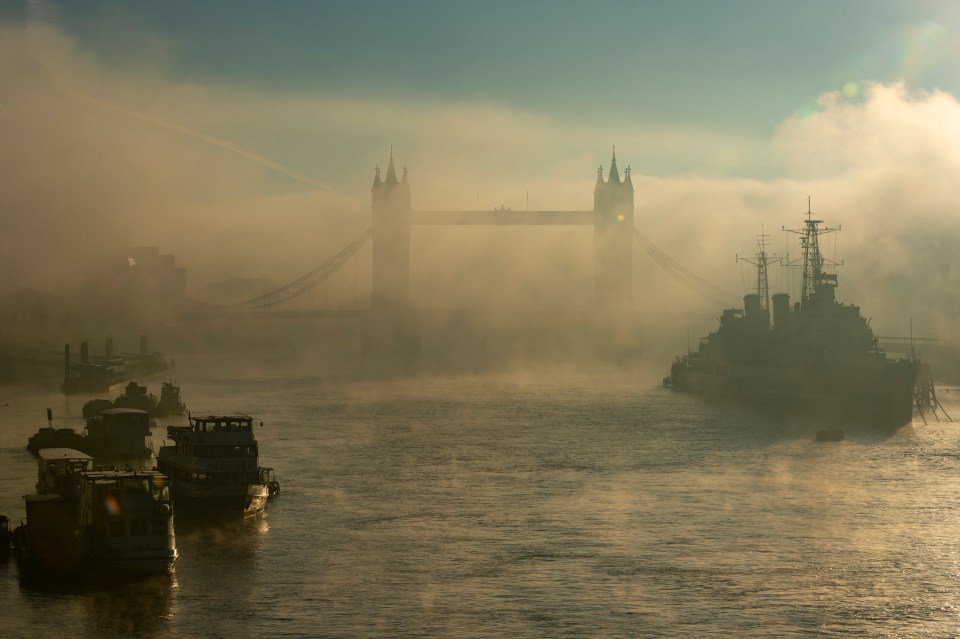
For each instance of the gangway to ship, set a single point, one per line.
(925, 395)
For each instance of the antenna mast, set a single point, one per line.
(813, 279)
(761, 261)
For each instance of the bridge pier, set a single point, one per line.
(390, 330)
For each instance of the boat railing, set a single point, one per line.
(229, 465)
(213, 464)
(218, 438)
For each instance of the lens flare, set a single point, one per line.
(111, 506)
(922, 49)
(809, 108)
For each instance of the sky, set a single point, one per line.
(255, 128)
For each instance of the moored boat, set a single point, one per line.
(6, 536)
(116, 436)
(119, 434)
(125, 521)
(136, 396)
(49, 437)
(214, 467)
(821, 358)
(83, 519)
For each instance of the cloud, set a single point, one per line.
(234, 181)
(885, 168)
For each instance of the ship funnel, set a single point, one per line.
(781, 310)
(84, 352)
(755, 316)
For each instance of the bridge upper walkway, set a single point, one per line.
(502, 217)
(269, 304)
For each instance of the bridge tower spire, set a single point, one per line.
(613, 257)
(390, 329)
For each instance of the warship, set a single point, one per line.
(819, 358)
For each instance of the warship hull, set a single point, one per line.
(818, 358)
(883, 396)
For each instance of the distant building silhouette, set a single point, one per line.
(390, 328)
(158, 274)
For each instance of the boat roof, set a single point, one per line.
(49, 454)
(120, 411)
(43, 497)
(238, 417)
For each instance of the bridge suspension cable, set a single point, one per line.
(683, 275)
(310, 280)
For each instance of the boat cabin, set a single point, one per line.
(120, 503)
(120, 431)
(125, 518)
(57, 469)
(234, 431)
(223, 424)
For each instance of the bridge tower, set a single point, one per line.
(613, 257)
(390, 328)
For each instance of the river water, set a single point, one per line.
(537, 505)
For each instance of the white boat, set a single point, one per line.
(214, 467)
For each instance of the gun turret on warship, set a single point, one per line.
(820, 357)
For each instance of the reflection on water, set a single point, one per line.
(216, 554)
(219, 571)
(229, 536)
(106, 605)
(138, 607)
(550, 507)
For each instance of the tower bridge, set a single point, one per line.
(391, 325)
(391, 328)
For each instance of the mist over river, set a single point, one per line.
(528, 505)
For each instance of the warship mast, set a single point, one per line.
(814, 280)
(761, 261)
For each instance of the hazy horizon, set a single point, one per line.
(246, 147)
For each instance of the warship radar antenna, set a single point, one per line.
(814, 279)
(761, 260)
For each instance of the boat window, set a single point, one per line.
(136, 487)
